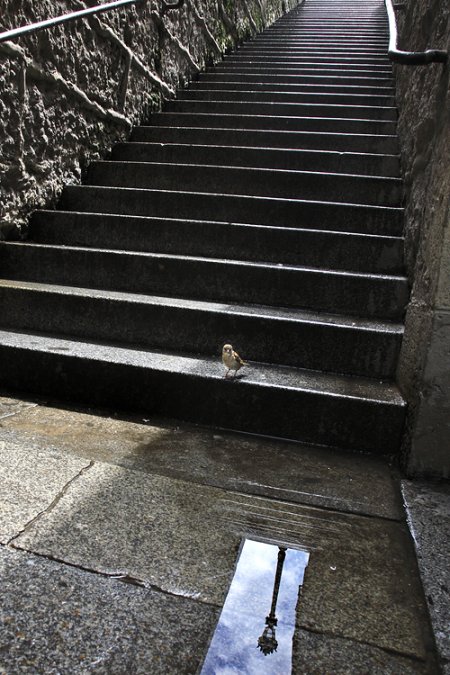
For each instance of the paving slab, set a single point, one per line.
(365, 587)
(428, 508)
(30, 481)
(316, 654)
(361, 582)
(59, 620)
(291, 471)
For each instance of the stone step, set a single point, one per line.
(353, 413)
(248, 181)
(362, 53)
(304, 140)
(323, 110)
(321, 29)
(286, 337)
(331, 61)
(271, 211)
(381, 296)
(209, 239)
(293, 78)
(325, 44)
(345, 99)
(334, 37)
(324, 74)
(306, 74)
(297, 51)
(273, 122)
(230, 84)
(263, 157)
(261, 208)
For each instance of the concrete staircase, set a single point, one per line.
(262, 207)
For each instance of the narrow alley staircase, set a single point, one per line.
(262, 207)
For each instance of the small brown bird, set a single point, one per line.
(231, 359)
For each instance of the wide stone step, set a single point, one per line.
(209, 239)
(248, 181)
(280, 109)
(312, 77)
(297, 75)
(270, 97)
(334, 37)
(271, 211)
(347, 37)
(274, 122)
(263, 157)
(250, 50)
(349, 65)
(329, 43)
(304, 140)
(228, 83)
(285, 337)
(224, 280)
(331, 53)
(303, 64)
(285, 402)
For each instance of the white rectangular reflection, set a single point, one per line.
(260, 606)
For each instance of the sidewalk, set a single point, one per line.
(119, 540)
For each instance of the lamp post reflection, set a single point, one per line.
(267, 642)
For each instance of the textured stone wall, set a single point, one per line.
(67, 94)
(424, 107)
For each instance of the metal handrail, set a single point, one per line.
(409, 58)
(80, 14)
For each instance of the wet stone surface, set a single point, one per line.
(30, 481)
(182, 538)
(104, 501)
(299, 473)
(315, 654)
(57, 619)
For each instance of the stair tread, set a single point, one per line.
(342, 250)
(261, 311)
(250, 226)
(261, 149)
(247, 169)
(248, 199)
(302, 106)
(256, 374)
(296, 134)
(291, 159)
(213, 261)
(248, 116)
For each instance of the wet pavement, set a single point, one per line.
(123, 543)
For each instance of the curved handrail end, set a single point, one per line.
(409, 58)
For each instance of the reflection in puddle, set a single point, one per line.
(255, 629)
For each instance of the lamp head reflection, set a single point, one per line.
(267, 641)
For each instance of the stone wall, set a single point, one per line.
(424, 108)
(67, 94)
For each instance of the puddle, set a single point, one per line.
(256, 627)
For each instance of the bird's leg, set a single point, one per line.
(226, 374)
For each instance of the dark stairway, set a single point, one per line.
(261, 208)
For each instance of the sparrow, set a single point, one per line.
(231, 359)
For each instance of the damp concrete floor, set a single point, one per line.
(119, 539)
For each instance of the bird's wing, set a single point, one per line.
(239, 360)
